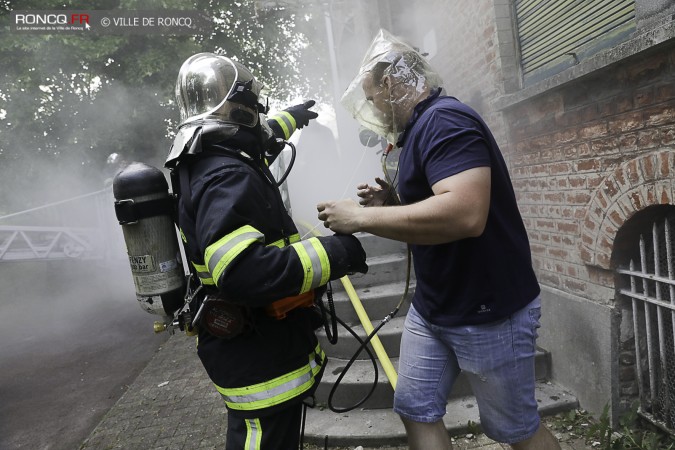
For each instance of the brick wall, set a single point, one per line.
(585, 158)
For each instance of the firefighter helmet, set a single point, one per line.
(212, 88)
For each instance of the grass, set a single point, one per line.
(632, 433)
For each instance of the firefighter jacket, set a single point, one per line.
(243, 244)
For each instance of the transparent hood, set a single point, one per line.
(392, 79)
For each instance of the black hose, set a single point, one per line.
(364, 344)
(329, 327)
(362, 347)
(290, 164)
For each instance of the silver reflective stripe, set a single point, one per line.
(317, 270)
(253, 434)
(223, 251)
(276, 391)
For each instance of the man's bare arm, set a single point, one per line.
(457, 210)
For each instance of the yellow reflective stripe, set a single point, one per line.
(203, 274)
(277, 390)
(282, 242)
(221, 253)
(315, 263)
(253, 434)
(286, 122)
(182, 235)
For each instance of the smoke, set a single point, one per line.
(330, 159)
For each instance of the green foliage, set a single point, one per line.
(632, 433)
(67, 101)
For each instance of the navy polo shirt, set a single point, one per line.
(473, 280)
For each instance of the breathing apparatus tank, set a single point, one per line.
(144, 208)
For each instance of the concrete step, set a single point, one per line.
(384, 269)
(356, 384)
(378, 246)
(378, 300)
(347, 345)
(358, 381)
(381, 427)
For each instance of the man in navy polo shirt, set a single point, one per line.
(476, 306)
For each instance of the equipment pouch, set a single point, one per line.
(221, 318)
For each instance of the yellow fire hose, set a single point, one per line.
(381, 353)
(388, 367)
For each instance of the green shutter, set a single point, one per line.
(549, 31)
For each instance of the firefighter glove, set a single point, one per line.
(302, 114)
(356, 256)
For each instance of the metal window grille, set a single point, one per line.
(651, 291)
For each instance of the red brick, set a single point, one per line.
(588, 164)
(668, 136)
(648, 168)
(568, 227)
(563, 136)
(549, 279)
(545, 224)
(665, 164)
(632, 120)
(637, 200)
(610, 187)
(649, 139)
(664, 194)
(558, 253)
(583, 149)
(628, 142)
(633, 172)
(586, 256)
(575, 286)
(558, 168)
(644, 97)
(605, 146)
(576, 181)
(593, 131)
(659, 116)
(603, 259)
(617, 216)
(588, 240)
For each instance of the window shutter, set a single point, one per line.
(556, 34)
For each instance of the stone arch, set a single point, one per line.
(643, 181)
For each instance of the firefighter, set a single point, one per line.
(256, 324)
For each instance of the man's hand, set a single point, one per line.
(302, 114)
(340, 216)
(375, 195)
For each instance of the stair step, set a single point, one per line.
(356, 384)
(377, 301)
(383, 269)
(378, 246)
(347, 345)
(379, 427)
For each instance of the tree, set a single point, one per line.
(67, 101)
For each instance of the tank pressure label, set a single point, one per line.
(168, 266)
(142, 263)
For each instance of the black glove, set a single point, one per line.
(302, 114)
(356, 256)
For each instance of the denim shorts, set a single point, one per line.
(497, 358)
